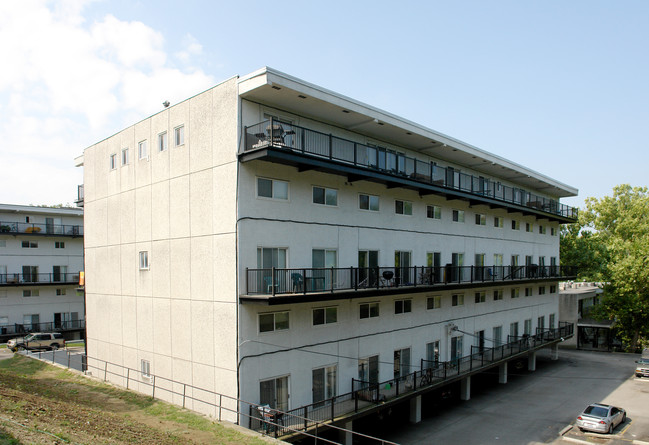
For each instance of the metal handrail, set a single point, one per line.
(9, 279)
(41, 228)
(274, 133)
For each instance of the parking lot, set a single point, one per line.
(534, 407)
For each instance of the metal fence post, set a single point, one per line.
(153, 394)
(105, 371)
(220, 405)
(128, 376)
(184, 392)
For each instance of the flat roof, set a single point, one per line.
(15, 208)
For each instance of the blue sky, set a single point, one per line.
(560, 87)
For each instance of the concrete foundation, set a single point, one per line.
(346, 437)
(502, 373)
(465, 388)
(415, 409)
(531, 361)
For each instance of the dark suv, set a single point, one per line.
(37, 340)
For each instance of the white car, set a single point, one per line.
(37, 340)
(600, 418)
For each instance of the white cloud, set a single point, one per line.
(66, 83)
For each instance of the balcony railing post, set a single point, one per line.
(353, 278)
(415, 277)
(355, 156)
(272, 278)
(304, 281)
(332, 280)
(378, 281)
(245, 137)
(247, 282)
(331, 145)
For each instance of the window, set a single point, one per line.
(274, 393)
(325, 315)
(325, 196)
(553, 231)
(29, 244)
(434, 302)
(124, 156)
(458, 215)
(401, 362)
(434, 212)
(498, 294)
(528, 327)
(481, 219)
(273, 321)
(60, 292)
(541, 290)
(142, 151)
(553, 288)
(369, 310)
(542, 230)
(59, 244)
(31, 293)
(528, 291)
(145, 366)
(272, 188)
(113, 161)
(457, 300)
(513, 330)
(144, 260)
(540, 323)
(516, 225)
(515, 292)
(498, 221)
(497, 336)
(368, 202)
(162, 141)
(529, 227)
(402, 306)
(368, 369)
(480, 297)
(179, 135)
(552, 321)
(402, 207)
(323, 384)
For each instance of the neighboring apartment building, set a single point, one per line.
(41, 255)
(273, 240)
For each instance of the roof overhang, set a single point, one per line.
(279, 90)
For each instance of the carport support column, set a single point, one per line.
(415, 409)
(502, 373)
(531, 361)
(346, 437)
(554, 351)
(465, 388)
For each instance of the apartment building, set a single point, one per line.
(274, 241)
(41, 255)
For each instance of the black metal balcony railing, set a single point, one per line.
(51, 326)
(326, 146)
(365, 395)
(12, 227)
(11, 279)
(277, 281)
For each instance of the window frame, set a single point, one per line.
(179, 135)
(516, 224)
(59, 244)
(435, 211)
(370, 305)
(143, 260)
(113, 161)
(498, 294)
(325, 316)
(499, 222)
(480, 297)
(457, 300)
(125, 156)
(325, 191)
(480, 219)
(274, 322)
(402, 306)
(437, 302)
(145, 368)
(370, 198)
(402, 207)
(515, 292)
(273, 196)
(458, 216)
(142, 150)
(163, 142)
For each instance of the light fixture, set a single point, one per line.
(345, 111)
(301, 96)
(276, 88)
(165, 103)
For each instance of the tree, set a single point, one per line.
(621, 224)
(579, 247)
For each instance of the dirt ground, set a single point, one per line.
(41, 404)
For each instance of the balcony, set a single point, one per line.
(79, 201)
(280, 286)
(367, 397)
(11, 330)
(308, 149)
(43, 229)
(38, 279)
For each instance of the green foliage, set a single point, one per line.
(18, 365)
(580, 247)
(621, 224)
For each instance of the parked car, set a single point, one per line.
(642, 365)
(37, 340)
(600, 418)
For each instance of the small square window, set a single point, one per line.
(162, 141)
(402, 306)
(325, 315)
(273, 321)
(142, 150)
(481, 219)
(515, 293)
(458, 215)
(516, 225)
(272, 188)
(368, 202)
(553, 289)
(542, 230)
(553, 231)
(144, 260)
(480, 297)
(30, 244)
(325, 196)
(145, 366)
(457, 300)
(541, 290)
(60, 292)
(113, 161)
(31, 293)
(434, 212)
(434, 302)
(498, 294)
(528, 291)
(59, 244)
(125, 156)
(402, 207)
(179, 135)
(369, 310)
(498, 222)
(529, 227)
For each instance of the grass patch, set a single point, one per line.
(8, 439)
(22, 365)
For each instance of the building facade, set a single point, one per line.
(41, 256)
(272, 240)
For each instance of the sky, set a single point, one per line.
(561, 87)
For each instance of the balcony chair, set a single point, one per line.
(298, 282)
